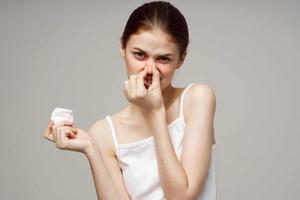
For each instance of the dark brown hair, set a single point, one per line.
(159, 15)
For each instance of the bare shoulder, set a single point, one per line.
(202, 90)
(100, 132)
(97, 127)
(197, 95)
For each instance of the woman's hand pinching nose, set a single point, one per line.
(144, 91)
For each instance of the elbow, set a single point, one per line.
(192, 193)
(183, 196)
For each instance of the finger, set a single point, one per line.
(72, 133)
(156, 76)
(73, 130)
(63, 123)
(58, 132)
(141, 89)
(59, 125)
(62, 133)
(54, 135)
(50, 138)
(55, 132)
(125, 93)
(132, 84)
(63, 138)
(48, 132)
(127, 89)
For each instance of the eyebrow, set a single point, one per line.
(168, 54)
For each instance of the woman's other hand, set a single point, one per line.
(67, 137)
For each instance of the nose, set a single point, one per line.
(149, 64)
(149, 69)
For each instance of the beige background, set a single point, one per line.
(66, 54)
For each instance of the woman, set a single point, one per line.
(161, 145)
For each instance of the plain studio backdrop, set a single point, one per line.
(66, 54)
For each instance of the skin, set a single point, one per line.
(150, 56)
(153, 103)
(144, 52)
(184, 178)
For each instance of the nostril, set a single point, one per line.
(148, 76)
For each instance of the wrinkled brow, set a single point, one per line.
(167, 54)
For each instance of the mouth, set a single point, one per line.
(148, 80)
(147, 83)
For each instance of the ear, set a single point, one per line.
(181, 60)
(122, 50)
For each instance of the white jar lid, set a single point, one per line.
(62, 114)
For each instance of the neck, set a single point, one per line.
(168, 94)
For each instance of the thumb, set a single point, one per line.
(48, 132)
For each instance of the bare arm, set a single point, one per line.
(185, 178)
(106, 173)
(95, 144)
(103, 183)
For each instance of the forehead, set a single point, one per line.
(153, 42)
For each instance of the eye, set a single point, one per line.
(164, 58)
(139, 54)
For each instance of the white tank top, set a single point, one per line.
(140, 168)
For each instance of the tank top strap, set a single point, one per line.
(182, 99)
(113, 132)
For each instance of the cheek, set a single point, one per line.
(131, 60)
(165, 71)
(133, 65)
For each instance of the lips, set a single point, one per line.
(148, 77)
(147, 81)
